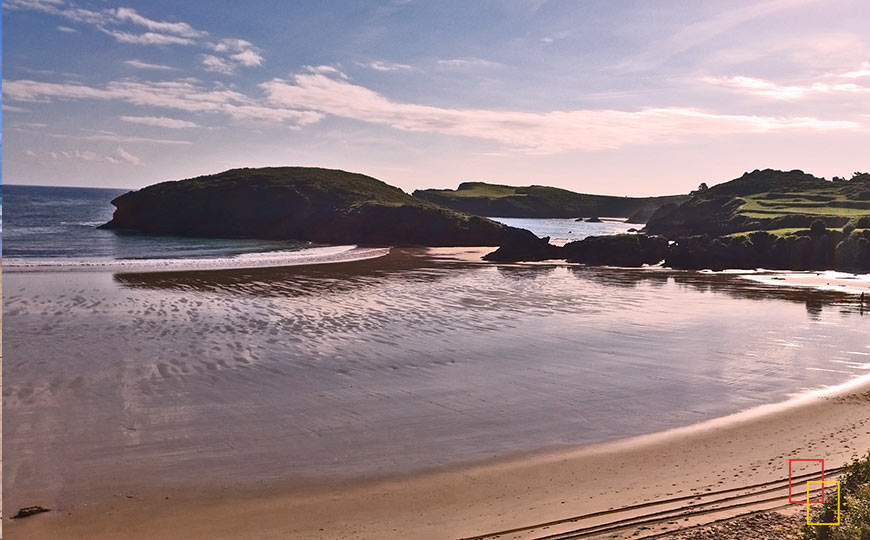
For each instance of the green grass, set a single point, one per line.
(481, 189)
(774, 232)
(784, 232)
(822, 203)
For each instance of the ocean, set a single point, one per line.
(561, 230)
(118, 379)
(57, 228)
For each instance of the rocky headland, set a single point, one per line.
(764, 219)
(306, 204)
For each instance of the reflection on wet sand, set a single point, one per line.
(417, 360)
(414, 265)
(725, 283)
(422, 265)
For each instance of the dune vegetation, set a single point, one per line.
(854, 507)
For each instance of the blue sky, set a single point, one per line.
(619, 97)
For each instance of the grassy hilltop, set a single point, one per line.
(302, 203)
(485, 199)
(767, 200)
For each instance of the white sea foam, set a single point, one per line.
(314, 255)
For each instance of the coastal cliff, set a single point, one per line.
(764, 219)
(301, 203)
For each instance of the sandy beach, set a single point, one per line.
(725, 467)
(297, 423)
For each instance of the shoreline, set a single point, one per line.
(723, 454)
(828, 280)
(270, 259)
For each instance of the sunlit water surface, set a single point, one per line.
(417, 360)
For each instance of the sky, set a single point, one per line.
(612, 97)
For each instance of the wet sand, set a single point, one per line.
(275, 403)
(709, 458)
(830, 281)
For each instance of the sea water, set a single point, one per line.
(118, 381)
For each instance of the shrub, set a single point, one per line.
(854, 508)
(848, 229)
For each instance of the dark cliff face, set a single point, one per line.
(699, 215)
(300, 203)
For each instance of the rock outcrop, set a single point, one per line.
(617, 250)
(817, 248)
(527, 250)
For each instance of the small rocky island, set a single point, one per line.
(307, 204)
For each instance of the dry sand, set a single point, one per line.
(716, 470)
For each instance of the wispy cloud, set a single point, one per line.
(863, 71)
(325, 70)
(537, 133)
(248, 58)
(127, 157)
(67, 29)
(178, 28)
(31, 125)
(216, 64)
(466, 63)
(231, 45)
(11, 108)
(310, 95)
(183, 95)
(139, 64)
(148, 38)
(101, 135)
(692, 35)
(773, 90)
(159, 121)
(159, 32)
(378, 65)
(111, 136)
(831, 84)
(547, 40)
(118, 157)
(126, 25)
(239, 52)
